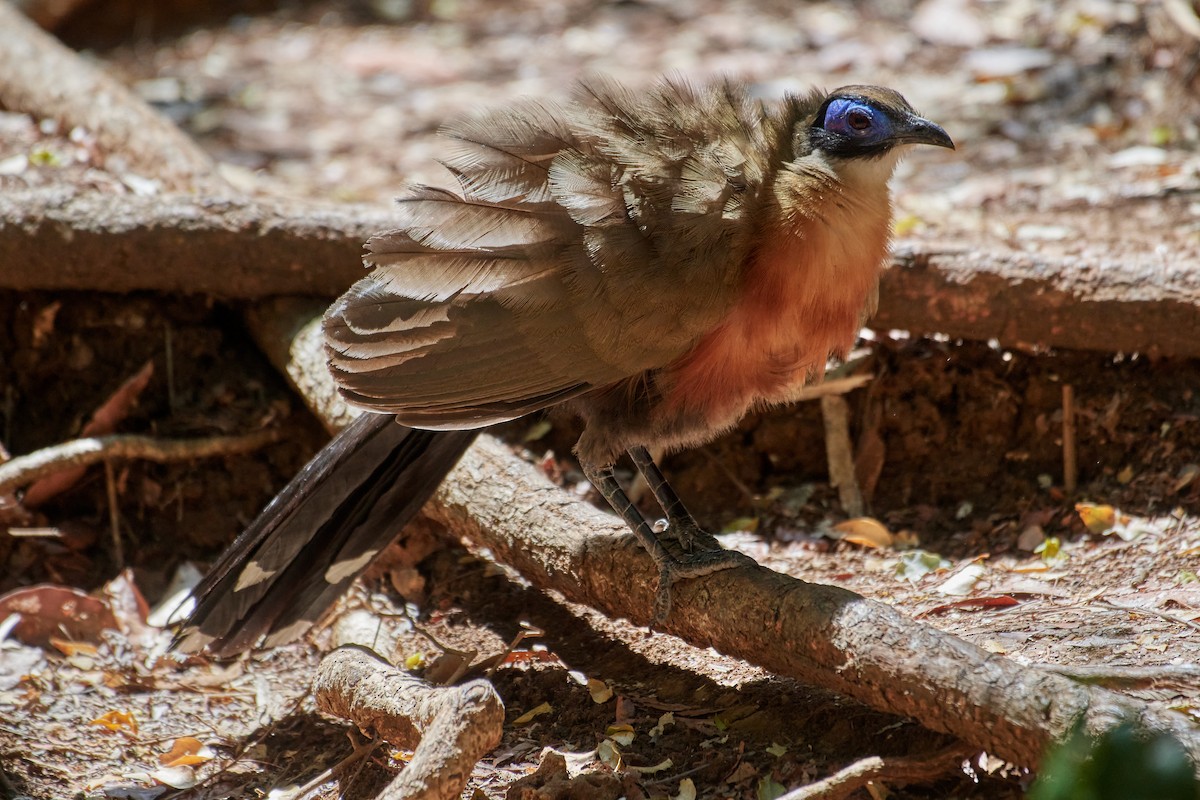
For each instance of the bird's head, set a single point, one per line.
(869, 122)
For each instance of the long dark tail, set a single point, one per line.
(318, 534)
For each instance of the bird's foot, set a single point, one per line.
(673, 569)
(682, 538)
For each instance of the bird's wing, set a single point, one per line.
(592, 242)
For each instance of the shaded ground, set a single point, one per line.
(966, 437)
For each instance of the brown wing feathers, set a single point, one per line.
(592, 242)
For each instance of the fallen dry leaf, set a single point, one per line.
(47, 610)
(186, 751)
(117, 721)
(537, 711)
(865, 532)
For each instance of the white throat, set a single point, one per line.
(867, 174)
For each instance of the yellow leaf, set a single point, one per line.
(621, 734)
(528, 716)
(1097, 519)
(748, 524)
(599, 690)
(1051, 551)
(116, 721)
(687, 790)
(661, 766)
(609, 754)
(865, 531)
(663, 721)
(906, 224)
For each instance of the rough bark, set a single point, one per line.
(226, 246)
(822, 635)
(1089, 302)
(449, 728)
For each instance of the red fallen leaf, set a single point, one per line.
(104, 420)
(626, 711)
(47, 610)
(979, 603)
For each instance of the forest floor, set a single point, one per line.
(960, 444)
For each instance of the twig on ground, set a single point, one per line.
(1070, 464)
(840, 453)
(1130, 677)
(24, 470)
(357, 756)
(114, 514)
(897, 771)
(1149, 612)
(816, 391)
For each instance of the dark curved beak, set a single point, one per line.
(918, 130)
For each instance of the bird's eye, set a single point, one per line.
(858, 119)
(854, 118)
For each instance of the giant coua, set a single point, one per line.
(656, 261)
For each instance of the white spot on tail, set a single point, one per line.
(348, 569)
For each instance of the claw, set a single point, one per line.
(696, 565)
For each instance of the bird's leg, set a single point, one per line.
(682, 526)
(671, 568)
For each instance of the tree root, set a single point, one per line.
(449, 728)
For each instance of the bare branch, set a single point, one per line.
(896, 771)
(24, 470)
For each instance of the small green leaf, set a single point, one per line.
(768, 789)
(741, 524)
(537, 430)
(1051, 551)
(43, 157)
(916, 564)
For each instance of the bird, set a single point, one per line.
(656, 260)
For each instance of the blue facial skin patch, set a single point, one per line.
(857, 120)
